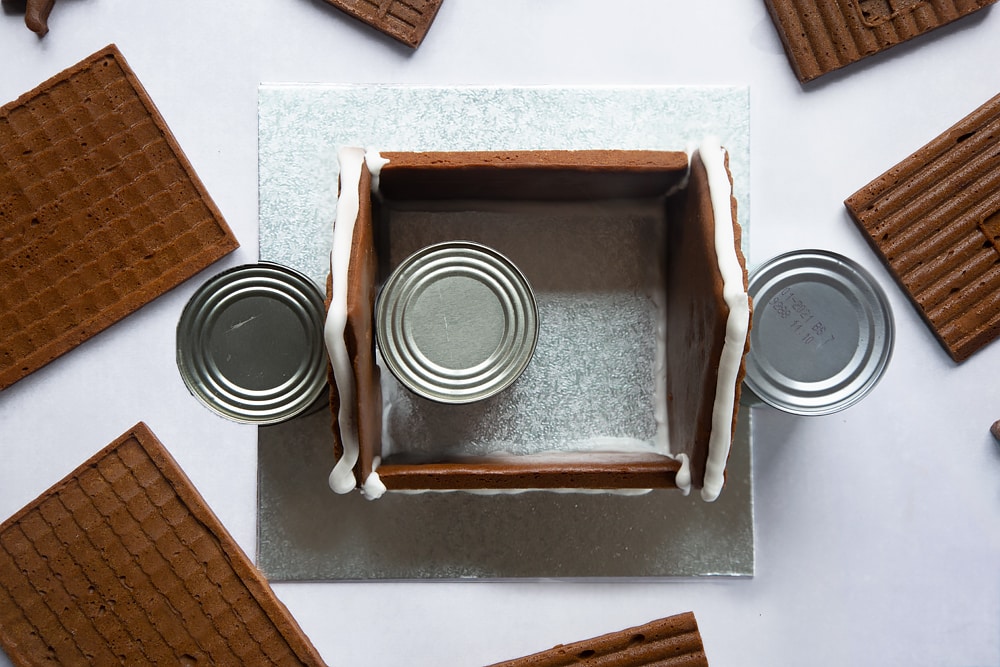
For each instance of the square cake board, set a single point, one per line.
(307, 533)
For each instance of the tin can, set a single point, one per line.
(822, 333)
(456, 322)
(250, 343)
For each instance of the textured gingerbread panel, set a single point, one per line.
(404, 20)
(823, 35)
(934, 220)
(100, 212)
(122, 562)
(673, 641)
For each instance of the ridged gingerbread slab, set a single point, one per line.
(122, 562)
(406, 21)
(824, 35)
(670, 642)
(934, 220)
(100, 211)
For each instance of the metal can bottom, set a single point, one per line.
(250, 344)
(822, 333)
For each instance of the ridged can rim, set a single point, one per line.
(822, 334)
(456, 322)
(250, 343)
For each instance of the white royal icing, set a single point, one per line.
(737, 324)
(737, 327)
(348, 205)
(375, 162)
(373, 488)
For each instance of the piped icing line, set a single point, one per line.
(737, 327)
(659, 298)
(373, 488)
(737, 323)
(374, 161)
(683, 477)
(683, 183)
(348, 205)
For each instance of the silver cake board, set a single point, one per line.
(305, 531)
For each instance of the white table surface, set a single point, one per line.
(878, 528)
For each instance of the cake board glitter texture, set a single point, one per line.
(308, 533)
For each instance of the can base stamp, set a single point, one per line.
(822, 333)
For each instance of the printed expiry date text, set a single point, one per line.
(801, 319)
